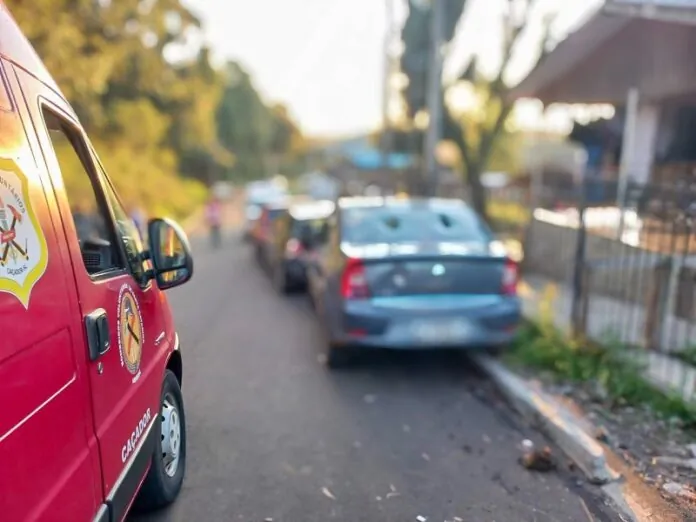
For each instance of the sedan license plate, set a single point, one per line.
(439, 331)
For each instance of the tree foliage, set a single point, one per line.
(263, 138)
(164, 120)
(480, 133)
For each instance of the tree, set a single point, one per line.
(476, 138)
(287, 145)
(263, 138)
(164, 120)
(244, 125)
(416, 59)
(474, 121)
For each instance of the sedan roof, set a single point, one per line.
(400, 202)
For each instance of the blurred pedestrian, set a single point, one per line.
(139, 220)
(213, 215)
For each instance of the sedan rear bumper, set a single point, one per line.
(430, 322)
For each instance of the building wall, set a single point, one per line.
(647, 128)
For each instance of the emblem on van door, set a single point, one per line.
(23, 250)
(130, 331)
(438, 270)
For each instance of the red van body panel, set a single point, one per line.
(72, 429)
(47, 442)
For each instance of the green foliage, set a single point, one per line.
(688, 355)
(473, 125)
(163, 119)
(543, 347)
(507, 216)
(263, 139)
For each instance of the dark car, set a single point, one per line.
(412, 273)
(264, 231)
(299, 233)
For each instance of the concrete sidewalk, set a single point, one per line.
(542, 297)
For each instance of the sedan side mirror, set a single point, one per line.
(170, 252)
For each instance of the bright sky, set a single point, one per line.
(324, 58)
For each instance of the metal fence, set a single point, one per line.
(630, 275)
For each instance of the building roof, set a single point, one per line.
(619, 47)
(578, 46)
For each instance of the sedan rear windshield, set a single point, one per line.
(275, 213)
(312, 227)
(395, 224)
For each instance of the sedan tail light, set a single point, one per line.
(510, 278)
(354, 281)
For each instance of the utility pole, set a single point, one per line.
(434, 83)
(388, 70)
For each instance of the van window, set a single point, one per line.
(100, 252)
(126, 230)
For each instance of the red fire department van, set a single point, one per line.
(92, 419)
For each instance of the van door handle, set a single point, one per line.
(98, 335)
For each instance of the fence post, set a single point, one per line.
(584, 313)
(675, 267)
(579, 263)
(657, 304)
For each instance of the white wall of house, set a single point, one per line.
(646, 133)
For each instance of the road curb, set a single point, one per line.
(563, 426)
(570, 431)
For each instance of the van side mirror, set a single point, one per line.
(170, 253)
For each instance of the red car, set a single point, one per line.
(265, 229)
(92, 415)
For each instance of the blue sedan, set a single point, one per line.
(411, 273)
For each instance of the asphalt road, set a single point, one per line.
(274, 436)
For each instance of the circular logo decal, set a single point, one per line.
(130, 330)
